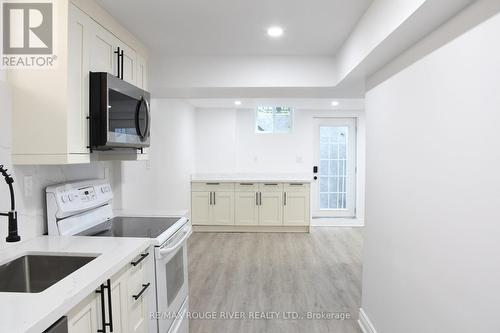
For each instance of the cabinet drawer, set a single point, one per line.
(271, 187)
(296, 187)
(211, 186)
(247, 187)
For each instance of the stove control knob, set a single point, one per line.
(64, 198)
(103, 190)
(70, 197)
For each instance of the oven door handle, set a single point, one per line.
(169, 249)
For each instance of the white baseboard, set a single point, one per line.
(337, 222)
(365, 323)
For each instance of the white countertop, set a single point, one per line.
(252, 177)
(33, 313)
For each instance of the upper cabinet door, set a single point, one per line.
(142, 73)
(79, 34)
(103, 46)
(129, 64)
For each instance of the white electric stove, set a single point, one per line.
(85, 209)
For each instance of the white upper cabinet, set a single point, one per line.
(103, 48)
(142, 72)
(129, 66)
(50, 106)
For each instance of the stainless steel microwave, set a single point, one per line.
(119, 114)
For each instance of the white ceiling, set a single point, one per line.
(238, 27)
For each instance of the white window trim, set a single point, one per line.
(292, 121)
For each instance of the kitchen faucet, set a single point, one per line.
(12, 215)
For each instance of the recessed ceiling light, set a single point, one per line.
(237, 102)
(275, 31)
(335, 103)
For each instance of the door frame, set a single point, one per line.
(350, 212)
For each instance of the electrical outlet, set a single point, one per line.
(28, 186)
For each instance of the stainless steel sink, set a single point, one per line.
(35, 273)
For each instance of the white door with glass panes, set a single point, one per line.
(334, 185)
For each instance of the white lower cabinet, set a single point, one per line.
(296, 205)
(246, 208)
(213, 204)
(250, 204)
(131, 293)
(271, 204)
(83, 317)
(223, 208)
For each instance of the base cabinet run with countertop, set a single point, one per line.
(250, 206)
(122, 303)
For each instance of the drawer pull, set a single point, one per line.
(213, 184)
(296, 184)
(144, 287)
(271, 184)
(246, 184)
(143, 256)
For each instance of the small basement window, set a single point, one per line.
(270, 119)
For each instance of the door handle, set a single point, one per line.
(284, 198)
(214, 199)
(167, 250)
(260, 198)
(256, 198)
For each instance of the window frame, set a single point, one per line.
(256, 116)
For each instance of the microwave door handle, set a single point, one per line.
(169, 249)
(148, 117)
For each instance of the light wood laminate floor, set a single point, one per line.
(271, 272)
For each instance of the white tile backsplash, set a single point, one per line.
(31, 209)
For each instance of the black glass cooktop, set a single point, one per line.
(145, 227)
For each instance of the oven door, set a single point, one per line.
(172, 277)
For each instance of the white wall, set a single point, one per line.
(162, 184)
(226, 142)
(31, 208)
(433, 191)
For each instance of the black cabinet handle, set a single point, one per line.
(121, 65)
(118, 52)
(214, 198)
(256, 198)
(271, 184)
(137, 262)
(103, 310)
(284, 198)
(110, 308)
(144, 287)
